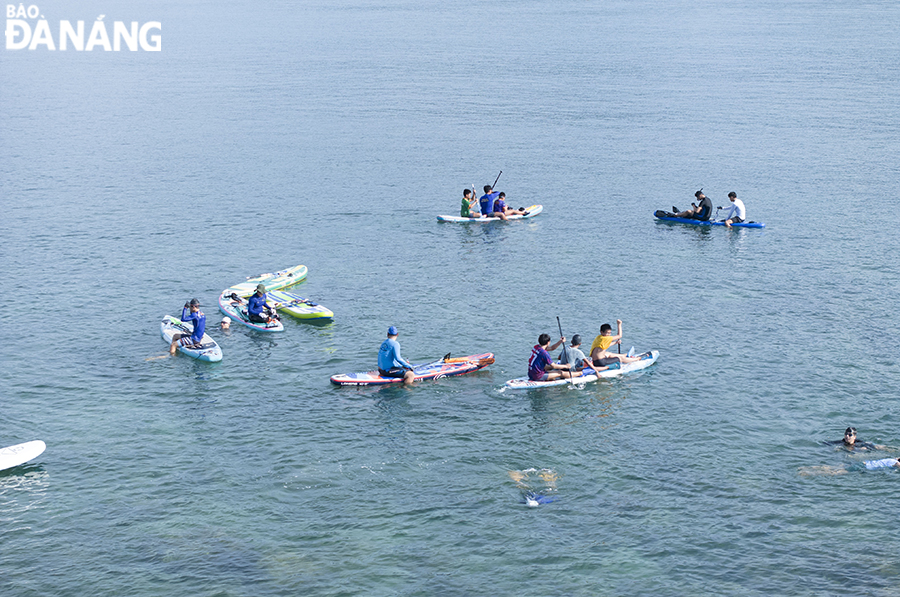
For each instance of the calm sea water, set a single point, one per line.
(331, 134)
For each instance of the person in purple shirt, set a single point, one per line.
(190, 313)
(487, 201)
(501, 210)
(541, 366)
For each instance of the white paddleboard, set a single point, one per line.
(532, 212)
(587, 375)
(20, 453)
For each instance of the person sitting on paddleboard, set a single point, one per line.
(501, 210)
(487, 201)
(258, 310)
(572, 354)
(850, 442)
(469, 200)
(390, 363)
(600, 354)
(541, 366)
(191, 312)
(697, 212)
(737, 210)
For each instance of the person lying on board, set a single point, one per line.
(258, 310)
(572, 354)
(866, 465)
(850, 442)
(487, 200)
(501, 210)
(541, 366)
(469, 201)
(738, 213)
(600, 354)
(697, 212)
(390, 363)
(191, 312)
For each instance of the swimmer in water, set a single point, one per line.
(530, 497)
(850, 442)
(869, 465)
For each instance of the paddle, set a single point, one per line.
(480, 362)
(495, 180)
(443, 359)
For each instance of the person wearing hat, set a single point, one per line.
(699, 211)
(192, 313)
(737, 210)
(572, 354)
(226, 323)
(258, 311)
(487, 201)
(850, 442)
(390, 363)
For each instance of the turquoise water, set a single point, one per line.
(332, 134)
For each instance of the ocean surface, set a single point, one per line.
(331, 133)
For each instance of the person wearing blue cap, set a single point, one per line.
(390, 363)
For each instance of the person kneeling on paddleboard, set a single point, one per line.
(191, 312)
(258, 311)
(541, 366)
(487, 201)
(573, 355)
(390, 363)
(700, 211)
(738, 211)
(600, 354)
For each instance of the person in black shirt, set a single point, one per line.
(698, 211)
(850, 442)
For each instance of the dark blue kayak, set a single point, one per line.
(667, 218)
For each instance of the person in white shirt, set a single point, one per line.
(737, 210)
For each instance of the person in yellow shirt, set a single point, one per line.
(600, 348)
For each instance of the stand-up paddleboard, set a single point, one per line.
(20, 453)
(236, 307)
(208, 349)
(297, 306)
(533, 211)
(272, 281)
(587, 375)
(667, 217)
(445, 367)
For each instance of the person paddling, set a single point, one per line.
(487, 201)
(600, 354)
(390, 363)
(469, 201)
(190, 313)
(541, 366)
(738, 213)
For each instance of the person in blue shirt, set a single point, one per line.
(390, 363)
(190, 313)
(501, 210)
(258, 311)
(487, 201)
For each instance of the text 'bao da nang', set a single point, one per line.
(27, 29)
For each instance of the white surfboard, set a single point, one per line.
(532, 212)
(20, 453)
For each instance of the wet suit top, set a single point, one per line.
(199, 321)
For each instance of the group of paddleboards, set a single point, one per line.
(255, 303)
(701, 213)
